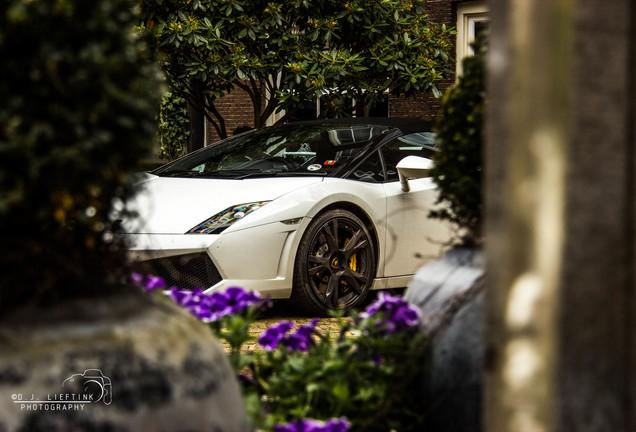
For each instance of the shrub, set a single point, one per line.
(367, 377)
(370, 372)
(76, 115)
(174, 126)
(458, 165)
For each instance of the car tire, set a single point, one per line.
(335, 264)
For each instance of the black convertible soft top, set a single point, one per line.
(406, 125)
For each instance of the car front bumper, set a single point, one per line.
(259, 258)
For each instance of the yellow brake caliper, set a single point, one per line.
(353, 265)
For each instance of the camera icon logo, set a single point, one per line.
(92, 385)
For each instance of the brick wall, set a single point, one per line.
(237, 110)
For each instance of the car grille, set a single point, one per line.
(183, 271)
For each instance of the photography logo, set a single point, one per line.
(88, 388)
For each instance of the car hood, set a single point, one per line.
(168, 205)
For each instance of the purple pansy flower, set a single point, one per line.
(337, 425)
(307, 425)
(302, 338)
(155, 282)
(234, 300)
(398, 313)
(136, 277)
(277, 335)
(186, 298)
(193, 300)
(273, 336)
(148, 282)
(206, 307)
(211, 307)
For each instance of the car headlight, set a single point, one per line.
(220, 221)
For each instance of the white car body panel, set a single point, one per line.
(407, 218)
(258, 252)
(259, 247)
(166, 205)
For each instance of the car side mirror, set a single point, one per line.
(412, 167)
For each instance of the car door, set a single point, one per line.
(412, 238)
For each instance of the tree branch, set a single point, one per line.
(220, 127)
(285, 117)
(257, 103)
(245, 88)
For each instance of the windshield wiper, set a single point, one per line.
(179, 173)
(282, 174)
(199, 174)
(240, 174)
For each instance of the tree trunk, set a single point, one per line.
(197, 128)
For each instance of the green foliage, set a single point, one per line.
(75, 117)
(297, 50)
(370, 373)
(371, 378)
(174, 126)
(458, 165)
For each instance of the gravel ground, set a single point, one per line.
(281, 312)
(324, 326)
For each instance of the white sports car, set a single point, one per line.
(320, 212)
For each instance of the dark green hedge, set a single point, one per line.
(458, 165)
(75, 117)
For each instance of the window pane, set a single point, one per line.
(370, 170)
(421, 144)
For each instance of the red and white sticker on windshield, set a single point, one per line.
(314, 167)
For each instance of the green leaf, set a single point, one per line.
(340, 391)
(295, 363)
(312, 387)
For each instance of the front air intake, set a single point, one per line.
(183, 271)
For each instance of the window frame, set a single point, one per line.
(468, 14)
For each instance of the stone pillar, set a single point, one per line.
(561, 216)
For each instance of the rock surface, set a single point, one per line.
(450, 296)
(115, 364)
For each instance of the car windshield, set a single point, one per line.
(421, 140)
(292, 149)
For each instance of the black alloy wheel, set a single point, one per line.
(335, 263)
